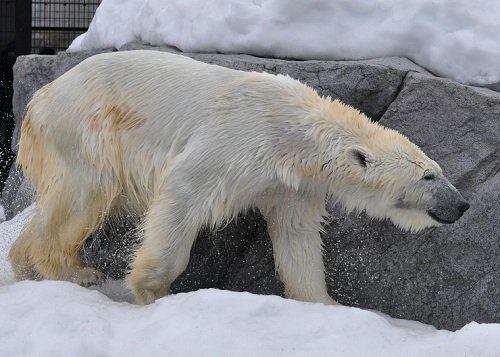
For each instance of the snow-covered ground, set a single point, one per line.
(52, 318)
(458, 39)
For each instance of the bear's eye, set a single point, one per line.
(429, 175)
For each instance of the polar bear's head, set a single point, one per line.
(390, 177)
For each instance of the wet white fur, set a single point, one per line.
(182, 144)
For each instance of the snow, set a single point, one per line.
(451, 38)
(54, 318)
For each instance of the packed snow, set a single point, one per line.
(458, 39)
(53, 318)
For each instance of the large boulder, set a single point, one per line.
(446, 276)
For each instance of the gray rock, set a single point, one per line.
(447, 276)
(17, 194)
(237, 257)
(369, 85)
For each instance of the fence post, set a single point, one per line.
(23, 27)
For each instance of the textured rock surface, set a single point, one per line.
(238, 257)
(446, 276)
(370, 85)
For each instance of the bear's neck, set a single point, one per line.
(319, 139)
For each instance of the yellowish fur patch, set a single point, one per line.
(118, 117)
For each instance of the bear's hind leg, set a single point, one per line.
(294, 228)
(64, 220)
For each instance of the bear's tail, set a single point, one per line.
(36, 157)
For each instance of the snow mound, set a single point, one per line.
(452, 38)
(61, 319)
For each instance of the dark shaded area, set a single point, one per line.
(237, 257)
(7, 59)
(56, 23)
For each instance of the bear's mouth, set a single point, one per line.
(440, 220)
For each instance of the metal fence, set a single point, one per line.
(56, 23)
(15, 26)
(34, 26)
(7, 22)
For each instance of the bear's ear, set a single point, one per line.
(360, 156)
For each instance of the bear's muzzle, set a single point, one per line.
(450, 204)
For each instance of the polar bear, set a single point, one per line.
(181, 144)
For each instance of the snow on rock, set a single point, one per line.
(452, 38)
(54, 318)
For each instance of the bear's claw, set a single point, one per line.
(87, 277)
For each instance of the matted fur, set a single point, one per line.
(183, 144)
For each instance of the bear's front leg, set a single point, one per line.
(294, 226)
(170, 229)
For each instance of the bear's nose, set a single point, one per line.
(463, 207)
